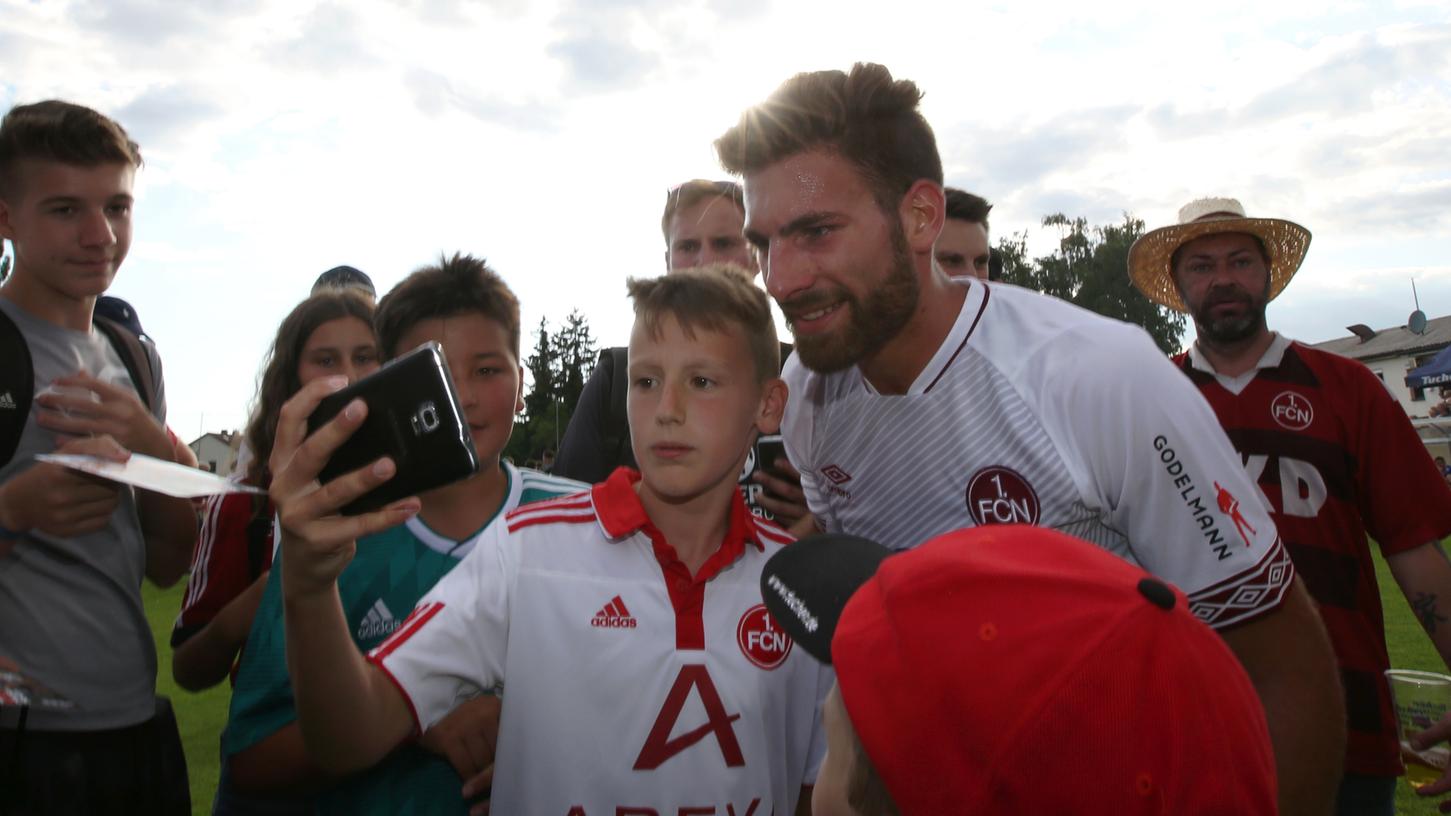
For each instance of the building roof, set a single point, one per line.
(1393, 342)
(225, 437)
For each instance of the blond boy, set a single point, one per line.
(640, 671)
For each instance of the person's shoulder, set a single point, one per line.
(1347, 381)
(1330, 363)
(537, 486)
(567, 509)
(1021, 327)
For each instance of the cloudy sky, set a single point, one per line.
(283, 137)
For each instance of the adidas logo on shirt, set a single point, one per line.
(614, 615)
(7, 401)
(379, 622)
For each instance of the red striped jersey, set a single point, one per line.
(629, 685)
(233, 547)
(1336, 458)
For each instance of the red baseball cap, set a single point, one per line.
(1013, 669)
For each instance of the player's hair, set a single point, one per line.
(279, 380)
(965, 206)
(455, 285)
(61, 132)
(864, 116)
(693, 192)
(714, 297)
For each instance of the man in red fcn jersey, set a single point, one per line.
(1334, 455)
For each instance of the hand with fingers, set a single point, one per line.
(318, 542)
(784, 497)
(1438, 733)
(81, 405)
(59, 501)
(466, 738)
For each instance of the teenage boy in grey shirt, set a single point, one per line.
(73, 550)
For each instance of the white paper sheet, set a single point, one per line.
(152, 474)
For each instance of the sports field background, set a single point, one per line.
(201, 716)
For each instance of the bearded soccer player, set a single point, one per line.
(1331, 451)
(921, 403)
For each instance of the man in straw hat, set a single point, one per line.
(922, 403)
(1332, 452)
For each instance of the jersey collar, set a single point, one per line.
(1273, 356)
(962, 329)
(513, 489)
(621, 514)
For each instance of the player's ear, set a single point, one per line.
(923, 211)
(773, 405)
(519, 396)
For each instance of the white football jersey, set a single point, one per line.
(628, 685)
(1034, 411)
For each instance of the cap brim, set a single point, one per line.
(806, 585)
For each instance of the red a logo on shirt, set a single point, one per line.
(659, 746)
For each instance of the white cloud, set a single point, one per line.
(283, 138)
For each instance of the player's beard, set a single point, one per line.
(872, 321)
(1231, 329)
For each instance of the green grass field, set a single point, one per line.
(201, 716)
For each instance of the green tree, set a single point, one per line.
(557, 370)
(1090, 269)
(574, 359)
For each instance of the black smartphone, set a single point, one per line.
(768, 450)
(413, 417)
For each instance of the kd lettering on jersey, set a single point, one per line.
(1333, 455)
(657, 691)
(1034, 411)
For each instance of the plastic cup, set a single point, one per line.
(1421, 700)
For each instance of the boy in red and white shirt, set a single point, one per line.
(640, 671)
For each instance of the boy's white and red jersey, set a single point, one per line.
(1034, 411)
(628, 685)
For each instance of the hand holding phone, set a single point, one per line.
(414, 418)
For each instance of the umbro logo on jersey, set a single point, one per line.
(7, 401)
(1292, 411)
(379, 622)
(614, 615)
(837, 477)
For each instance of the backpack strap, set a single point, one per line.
(133, 355)
(17, 386)
(617, 422)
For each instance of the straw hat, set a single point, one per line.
(1149, 257)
